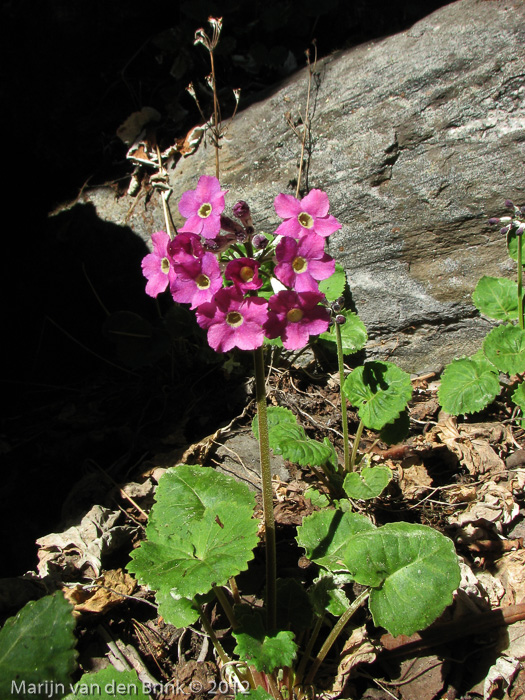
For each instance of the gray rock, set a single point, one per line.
(417, 139)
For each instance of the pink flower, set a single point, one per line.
(203, 207)
(197, 280)
(302, 262)
(157, 267)
(308, 215)
(244, 273)
(295, 317)
(233, 322)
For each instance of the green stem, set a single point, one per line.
(267, 492)
(355, 447)
(225, 604)
(520, 283)
(344, 415)
(336, 630)
(223, 656)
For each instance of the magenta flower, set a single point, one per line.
(302, 262)
(157, 267)
(197, 281)
(203, 207)
(308, 215)
(244, 273)
(295, 317)
(184, 248)
(233, 322)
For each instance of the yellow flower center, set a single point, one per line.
(165, 265)
(205, 210)
(294, 315)
(246, 274)
(305, 220)
(234, 319)
(300, 265)
(203, 282)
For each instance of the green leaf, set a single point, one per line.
(518, 396)
(380, 391)
(327, 595)
(176, 611)
(370, 483)
(265, 652)
(201, 532)
(316, 497)
(468, 385)
(496, 297)
(38, 646)
(504, 346)
(292, 443)
(353, 333)
(108, 684)
(412, 569)
(324, 536)
(257, 694)
(512, 245)
(334, 286)
(275, 415)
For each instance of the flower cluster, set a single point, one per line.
(230, 301)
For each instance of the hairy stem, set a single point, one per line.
(336, 630)
(344, 415)
(355, 447)
(267, 492)
(520, 283)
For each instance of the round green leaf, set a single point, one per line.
(369, 483)
(412, 569)
(353, 333)
(38, 646)
(380, 391)
(324, 536)
(504, 346)
(201, 532)
(496, 297)
(468, 385)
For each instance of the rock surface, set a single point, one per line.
(417, 139)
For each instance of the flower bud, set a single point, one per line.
(241, 211)
(340, 319)
(509, 204)
(494, 220)
(260, 241)
(336, 306)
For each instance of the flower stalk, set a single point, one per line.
(344, 413)
(267, 491)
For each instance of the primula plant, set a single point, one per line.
(469, 384)
(250, 290)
